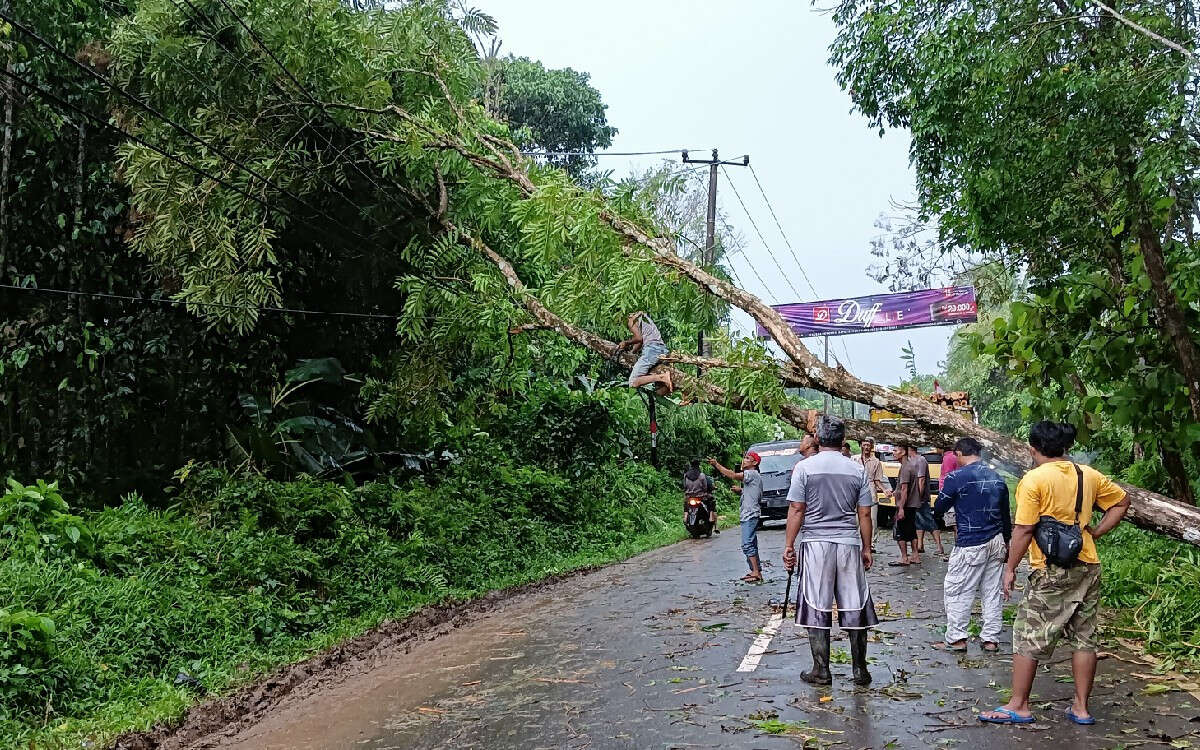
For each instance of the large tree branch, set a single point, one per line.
(1148, 509)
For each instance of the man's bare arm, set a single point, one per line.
(1110, 519)
(727, 473)
(1022, 537)
(795, 521)
(635, 339)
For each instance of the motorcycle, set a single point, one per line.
(695, 518)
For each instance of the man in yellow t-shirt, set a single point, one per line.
(1060, 603)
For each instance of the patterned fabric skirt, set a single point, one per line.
(832, 574)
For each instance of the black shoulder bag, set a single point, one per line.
(1061, 542)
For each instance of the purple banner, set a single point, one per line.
(880, 312)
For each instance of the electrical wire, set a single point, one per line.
(763, 239)
(124, 93)
(177, 302)
(608, 153)
(782, 233)
(105, 123)
(239, 61)
(102, 122)
(792, 250)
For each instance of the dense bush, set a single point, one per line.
(241, 575)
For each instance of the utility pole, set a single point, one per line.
(653, 432)
(707, 255)
(828, 398)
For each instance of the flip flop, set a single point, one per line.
(1080, 721)
(898, 564)
(1011, 717)
(990, 646)
(942, 646)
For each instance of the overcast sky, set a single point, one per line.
(751, 78)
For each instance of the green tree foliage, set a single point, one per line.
(116, 394)
(552, 110)
(1052, 138)
(393, 105)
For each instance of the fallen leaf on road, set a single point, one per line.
(716, 627)
(826, 698)
(1156, 688)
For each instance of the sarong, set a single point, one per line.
(833, 573)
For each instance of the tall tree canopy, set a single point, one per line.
(1054, 138)
(552, 110)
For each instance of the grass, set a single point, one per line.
(240, 577)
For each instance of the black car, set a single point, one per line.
(778, 460)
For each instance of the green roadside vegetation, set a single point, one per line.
(242, 575)
(225, 576)
(1152, 594)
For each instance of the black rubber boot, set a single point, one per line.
(818, 641)
(858, 656)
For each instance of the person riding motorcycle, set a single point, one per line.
(699, 485)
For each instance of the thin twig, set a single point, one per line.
(1143, 30)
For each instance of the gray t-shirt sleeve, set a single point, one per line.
(798, 485)
(866, 493)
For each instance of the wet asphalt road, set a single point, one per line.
(645, 654)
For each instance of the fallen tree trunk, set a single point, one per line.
(935, 424)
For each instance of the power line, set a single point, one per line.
(239, 61)
(124, 93)
(176, 302)
(47, 94)
(782, 233)
(607, 153)
(51, 96)
(792, 250)
(303, 91)
(757, 231)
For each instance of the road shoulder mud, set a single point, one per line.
(226, 715)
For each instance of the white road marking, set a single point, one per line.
(759, 647)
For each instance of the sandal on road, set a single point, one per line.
(898, 564)
(1083, 721)
(942, 646)
(990, 646)
(1006, 717)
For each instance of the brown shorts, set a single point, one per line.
(1061, 604)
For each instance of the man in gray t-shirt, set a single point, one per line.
(829, 511)
(833, 488)
(751, 492)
